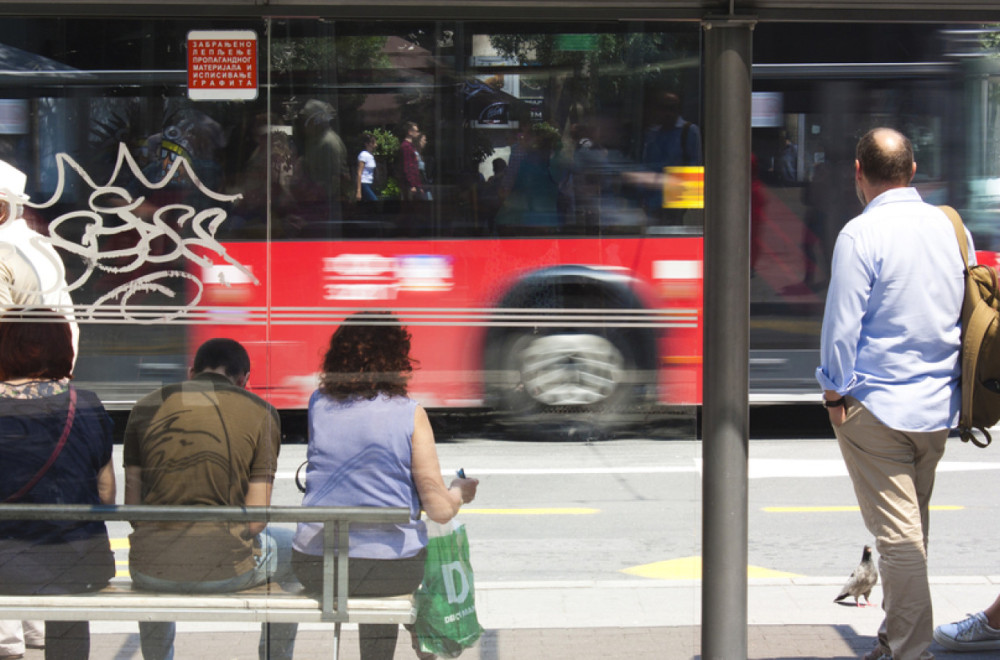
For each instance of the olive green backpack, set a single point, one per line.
(980, 344)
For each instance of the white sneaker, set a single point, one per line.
(972, 634)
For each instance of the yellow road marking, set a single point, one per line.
(837, 509)
(564, 511)
(119, 543)
(689, 568)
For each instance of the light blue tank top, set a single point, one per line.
(361, 454)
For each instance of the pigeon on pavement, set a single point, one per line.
(862, 579)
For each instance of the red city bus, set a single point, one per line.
(549, 256)
(520, 324)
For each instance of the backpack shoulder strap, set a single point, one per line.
(974, 326)
(956, 222)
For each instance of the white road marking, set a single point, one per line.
(759, 468)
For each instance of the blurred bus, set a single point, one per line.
(199, 176)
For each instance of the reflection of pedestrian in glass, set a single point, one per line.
(533, 196)
(421, 145)
(366, 170)
(789, 163)
(321, 172)
(271, 161)
(815, 196)
(371, 445)
(490, 196)
(587, 175)
(669, 140)
(411, 182)
(499, 168)
(192, 136)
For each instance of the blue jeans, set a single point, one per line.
(277, 640)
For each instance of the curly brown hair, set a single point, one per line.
(369, 355)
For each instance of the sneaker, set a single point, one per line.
(972, 634)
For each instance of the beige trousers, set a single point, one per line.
(893, 476)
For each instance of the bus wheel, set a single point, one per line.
(562, 370)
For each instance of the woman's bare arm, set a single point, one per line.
(440, 503)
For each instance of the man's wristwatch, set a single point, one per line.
(836, 403)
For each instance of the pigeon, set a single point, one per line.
(862, 579)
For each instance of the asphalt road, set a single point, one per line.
(615, 508)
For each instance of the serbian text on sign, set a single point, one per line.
(222, 65)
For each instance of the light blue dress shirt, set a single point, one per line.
(891, 330)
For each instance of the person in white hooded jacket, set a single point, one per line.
(31, 271)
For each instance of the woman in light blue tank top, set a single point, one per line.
(371, 445)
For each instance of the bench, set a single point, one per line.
(268, 603)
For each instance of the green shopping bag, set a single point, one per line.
(446, 601)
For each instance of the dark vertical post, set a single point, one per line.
(725, 428)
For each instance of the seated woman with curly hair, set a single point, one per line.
(55, 448)
(371, 445)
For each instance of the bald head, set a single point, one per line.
(885, 158)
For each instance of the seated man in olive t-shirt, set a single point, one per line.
(204, 441)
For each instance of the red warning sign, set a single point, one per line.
(222, 65)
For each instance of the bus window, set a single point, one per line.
(494, 134)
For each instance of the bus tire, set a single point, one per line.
(565, 371)
(548, 372)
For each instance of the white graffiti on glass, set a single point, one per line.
(115, 201)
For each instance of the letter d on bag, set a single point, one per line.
(449, 572)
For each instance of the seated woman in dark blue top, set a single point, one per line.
(55, 448)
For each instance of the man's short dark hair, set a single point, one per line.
(885, 156)
(221, 352)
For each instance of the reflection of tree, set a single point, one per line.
(386, 148)
(323, 53)
(339, 60)
(599, 70)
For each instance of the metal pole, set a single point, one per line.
(725, 431)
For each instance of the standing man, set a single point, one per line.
(206, 441)
(890, 372)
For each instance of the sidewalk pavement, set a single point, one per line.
(634, 619)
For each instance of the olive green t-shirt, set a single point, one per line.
(199, 442)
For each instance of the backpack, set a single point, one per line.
(980, 344)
